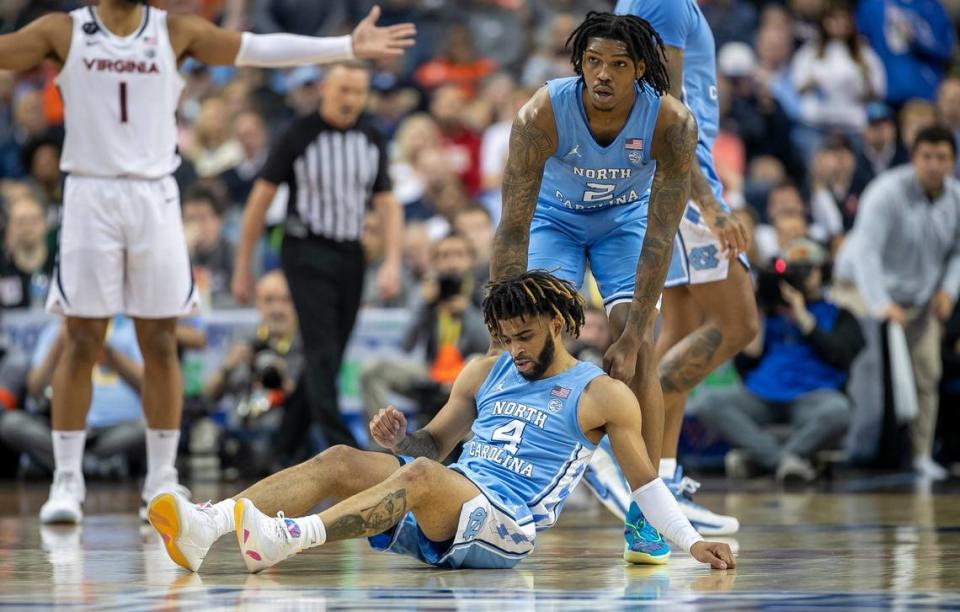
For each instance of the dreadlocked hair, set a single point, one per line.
(531, 294)
(642, 41)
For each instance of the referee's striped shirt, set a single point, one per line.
(331, 173)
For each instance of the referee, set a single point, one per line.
(335, 164)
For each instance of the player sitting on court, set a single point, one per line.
(536, 414)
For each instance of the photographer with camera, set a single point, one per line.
(794, 371)
(447, 324)
(259, 376)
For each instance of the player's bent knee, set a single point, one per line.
(420, 471)
(338, 457)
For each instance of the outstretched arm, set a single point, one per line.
(45, 38)
(533, 139)
(198, 38)
(609, 406)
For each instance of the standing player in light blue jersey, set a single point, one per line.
(536, 414)
(709, 313)
(614, 151)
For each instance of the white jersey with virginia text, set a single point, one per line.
(120, 98)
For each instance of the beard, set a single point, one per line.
(543, 360)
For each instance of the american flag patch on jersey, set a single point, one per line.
(633, 144)
(561, 392)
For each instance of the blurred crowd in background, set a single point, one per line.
(816, 97)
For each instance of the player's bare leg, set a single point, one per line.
(188, 531)
(162, 396)
(72, 389)
(704, 326)
(435, 494)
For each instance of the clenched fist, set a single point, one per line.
(388, 427)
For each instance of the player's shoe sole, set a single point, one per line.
(644, 558)
(165, 518)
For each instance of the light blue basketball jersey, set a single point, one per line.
(583, 176)
(527, 448)
(681, 24)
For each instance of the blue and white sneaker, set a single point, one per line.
(604, 478)
(644, 544)
(703, 520)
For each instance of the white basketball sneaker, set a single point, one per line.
(66, 497)
(166, 481)
(703, 520)
(265, 541)
(188, 530)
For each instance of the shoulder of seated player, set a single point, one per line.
(606, 392)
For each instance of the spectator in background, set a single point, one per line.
(416, 250)
(41, 159)
(948, 109)
(459, 143)
(901, 264)
(881, 149)
(214, 149)
(474, 223)
(211, 256)
(498, 34)
(448, 326)
(416, 158)
(304, 90)
(448, 198)
(805, 19)
(26, 265)
(458, 65)
(755, 114)
(788, 221)
(115, 427)
(594, 339)
(494, 148)
(794, 371)
(773, 44)
(28, 122)
(914, 39)
(373, 251)
(258, 379)
(551, 59)
(251, 133)
(836, 76)
(915, 116)
(835, 188)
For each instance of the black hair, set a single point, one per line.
(210, 196)
(935, 134)
(532, 294)
(643, 43)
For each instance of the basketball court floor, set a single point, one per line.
(859, 543)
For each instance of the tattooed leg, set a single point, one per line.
(431, 491)
(727, 318)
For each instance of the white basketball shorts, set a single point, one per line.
(122, 250)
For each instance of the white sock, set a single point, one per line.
(161, 451)
(668, 467)
(224, 513)
(312, 530)
(68, 450)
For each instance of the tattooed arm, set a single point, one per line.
(444, 431)
(533, 139)
(674, 144)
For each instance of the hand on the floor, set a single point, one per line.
(716, 554)
(388, 427)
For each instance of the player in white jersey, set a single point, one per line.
(122, 248)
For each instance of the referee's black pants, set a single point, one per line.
(326, 284)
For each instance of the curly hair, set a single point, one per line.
(643, 43)
(532, 294)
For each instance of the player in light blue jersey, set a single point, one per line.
(709, 313)
(536, 414)
(598, 172)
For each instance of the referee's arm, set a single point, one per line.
(390, 212)
(251, 229)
